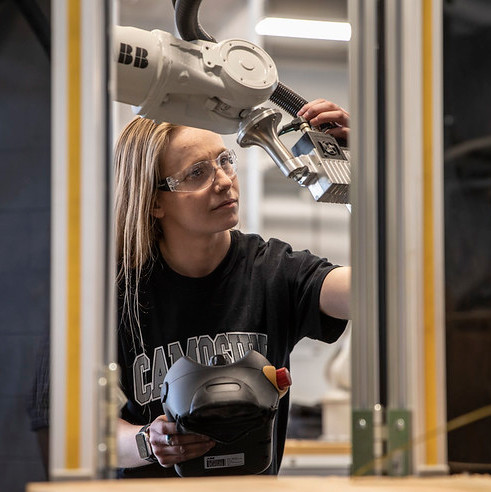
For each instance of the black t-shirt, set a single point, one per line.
(263, 296)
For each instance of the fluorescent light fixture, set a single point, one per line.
(301, 28)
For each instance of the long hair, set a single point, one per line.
(137, 157)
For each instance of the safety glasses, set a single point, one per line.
(201, 175)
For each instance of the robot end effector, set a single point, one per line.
(218, 86)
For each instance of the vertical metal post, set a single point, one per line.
(81, 234)
(398, 417)
(434, 456)
(412, 248)
(109, 394)
(364, 240)
(409, 273)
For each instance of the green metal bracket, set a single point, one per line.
(362, 443)
(398, 443)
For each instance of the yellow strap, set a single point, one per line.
(72, 404)
(431, 403)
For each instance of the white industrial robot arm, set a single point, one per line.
(218, 86)
(199, 83)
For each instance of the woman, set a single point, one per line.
(190, 285)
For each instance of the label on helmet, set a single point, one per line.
(224, 461)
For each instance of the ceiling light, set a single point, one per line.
(301, 28)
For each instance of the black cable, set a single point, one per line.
(186, 17)
(287, 100)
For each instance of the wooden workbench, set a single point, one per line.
(456, 483)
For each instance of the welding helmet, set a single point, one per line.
(235, 404)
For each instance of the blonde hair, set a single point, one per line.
(137, 157)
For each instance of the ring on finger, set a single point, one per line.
(168, 439)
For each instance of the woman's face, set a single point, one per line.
(214, 209)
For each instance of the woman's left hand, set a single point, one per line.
(321, 111)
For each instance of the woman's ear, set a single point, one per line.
(158, 207)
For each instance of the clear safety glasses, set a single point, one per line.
(201, 175)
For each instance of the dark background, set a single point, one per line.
(467, 110)
(24, 235)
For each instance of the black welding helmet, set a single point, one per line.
(235, 404)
